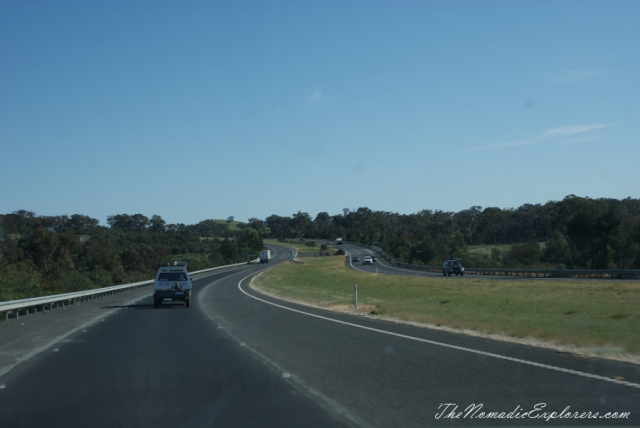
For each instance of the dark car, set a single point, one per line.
(355, 259)
(452, 266)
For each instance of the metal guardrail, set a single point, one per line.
(531, 273)
(35, 304)
(559, 273)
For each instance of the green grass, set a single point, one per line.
(232, 225)
(592, 314)
(503, 248)
(298, 246)
(486, 249)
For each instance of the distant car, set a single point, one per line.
(374, 258)
(367, 260)
(452, 266)
(355, 259)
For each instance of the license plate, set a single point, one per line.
(179, 293)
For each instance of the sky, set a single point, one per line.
(194, 110)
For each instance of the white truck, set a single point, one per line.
(265, 256)
(172, 284)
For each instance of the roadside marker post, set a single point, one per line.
(355, 295)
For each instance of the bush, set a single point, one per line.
(523, 255)
(76, 281)
(19, 281)
(101, 277)
(557, 252)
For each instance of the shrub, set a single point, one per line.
(19, 281)
(76, 281)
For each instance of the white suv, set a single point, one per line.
(172, 284)
(367, 260)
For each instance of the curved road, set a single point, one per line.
(239, 358)
(382, 266)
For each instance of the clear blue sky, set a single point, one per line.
(207, 109)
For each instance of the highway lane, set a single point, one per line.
(401, 378)
(240, 360)
(384, 267)
(381, 265)
(155, 367)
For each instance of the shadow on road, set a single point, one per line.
(145, 306)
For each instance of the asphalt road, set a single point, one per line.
(384, 267)
(238, 358)
(142, 366)
(381, 265)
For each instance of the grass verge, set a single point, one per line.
(298, 246)
(600, 317)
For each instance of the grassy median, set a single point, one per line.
(602, 316)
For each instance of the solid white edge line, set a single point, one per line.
(413, 272)
(444, 345)
(351, 263)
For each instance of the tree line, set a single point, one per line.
(573, 233)
(50, 255)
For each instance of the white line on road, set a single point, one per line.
(445, 345)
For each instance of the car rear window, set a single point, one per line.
(172, 276)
